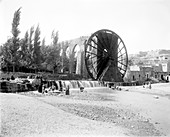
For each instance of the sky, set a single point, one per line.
(143, 25)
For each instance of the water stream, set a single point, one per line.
(77, 83)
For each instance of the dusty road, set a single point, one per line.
(133, 111)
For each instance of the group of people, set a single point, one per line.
(147, 85)
(8, 79)
(43, 87)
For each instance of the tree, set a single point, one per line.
(54, 37)
(54, 53)
(24, 54)
(44, 54)
(130, 62)
(30, 47)
(43, 43)
(1, 47)
(50, 54)
(6, 54)
(36, 49)
(14, 44)
(64, 58)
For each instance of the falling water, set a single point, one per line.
(86, 84)
(68, 83)
(74, 83)
(58, 85)
(77, 84)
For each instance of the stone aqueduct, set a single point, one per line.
(77, 64)
(102, 56)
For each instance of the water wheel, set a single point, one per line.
(106, 56)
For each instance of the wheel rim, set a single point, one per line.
(105, 52)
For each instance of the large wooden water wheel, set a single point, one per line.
(106, 56)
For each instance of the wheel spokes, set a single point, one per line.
(99, 52)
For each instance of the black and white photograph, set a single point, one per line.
(84, 68)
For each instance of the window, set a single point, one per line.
(133, 77)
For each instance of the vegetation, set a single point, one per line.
(30, 54)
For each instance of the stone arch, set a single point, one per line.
(70, 53)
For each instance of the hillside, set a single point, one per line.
(149, 57)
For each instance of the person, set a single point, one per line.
(53, 87)
(67, 90)
(43, 89)
(12, 77)
(150, 85)
(81, 89)
(2, 78)
(40, 85)
(8, 79)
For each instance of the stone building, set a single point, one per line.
(136, 73)
(143, 73)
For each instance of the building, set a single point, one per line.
(158, 72)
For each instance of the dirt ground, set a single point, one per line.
(133, 111)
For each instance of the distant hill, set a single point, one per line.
(152, 53)
(149, 57)
(163, 51)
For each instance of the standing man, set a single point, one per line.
(40, 85)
